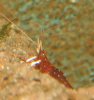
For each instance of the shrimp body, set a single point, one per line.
(46, 67)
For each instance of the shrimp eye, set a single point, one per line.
(44, 52)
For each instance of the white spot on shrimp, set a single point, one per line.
(54, 72)
(34, 63)
(31, 59)
(58, 75)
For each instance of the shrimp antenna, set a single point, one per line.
(5, 17)
(39, 47)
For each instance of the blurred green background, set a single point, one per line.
(66, 28)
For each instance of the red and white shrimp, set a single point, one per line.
(42, 63)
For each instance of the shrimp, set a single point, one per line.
(42, 63)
